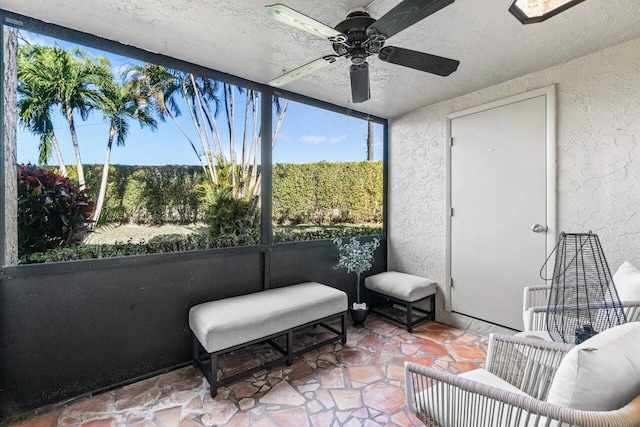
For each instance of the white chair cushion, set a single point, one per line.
(485, 377)
(443, 413)
(627, 281)
(538, 335)
(602, 373)
(405, 287)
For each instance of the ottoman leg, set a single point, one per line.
(196, 351)
(433, 307)
(344, 328)
(409, 318)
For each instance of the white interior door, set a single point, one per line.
(498, 191)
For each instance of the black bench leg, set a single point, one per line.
(213, 375)
(289, 348)
(409, 318)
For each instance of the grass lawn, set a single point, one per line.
(109, 234)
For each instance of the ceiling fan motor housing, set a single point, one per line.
(358, 45)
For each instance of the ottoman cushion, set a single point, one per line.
(405, 287)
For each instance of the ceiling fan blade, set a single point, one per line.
(285, 14)
(359, 82)
(418, 61)
(301, 71)
(405, 15)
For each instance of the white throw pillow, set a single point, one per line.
(602, 373)
(627, 281)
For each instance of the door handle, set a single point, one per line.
(537, 228)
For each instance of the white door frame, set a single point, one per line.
(550, 95)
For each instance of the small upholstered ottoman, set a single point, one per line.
(405, 290)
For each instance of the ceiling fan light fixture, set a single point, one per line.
(533, 11)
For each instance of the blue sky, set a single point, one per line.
(308, 134)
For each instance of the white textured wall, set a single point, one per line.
(598, 140)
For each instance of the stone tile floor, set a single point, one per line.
(359, 384)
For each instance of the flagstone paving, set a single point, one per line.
(358, 384)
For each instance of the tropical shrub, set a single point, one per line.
(52, 213)
(230, 217)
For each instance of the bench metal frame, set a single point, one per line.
(210, 370)
(409, 306)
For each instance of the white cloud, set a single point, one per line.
(316, 139)
(313, 139)
(337, 139)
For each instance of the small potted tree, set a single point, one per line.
(356, 258)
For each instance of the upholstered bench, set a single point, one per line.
(230, 324)
(403, 289)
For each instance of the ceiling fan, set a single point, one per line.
(360, 36)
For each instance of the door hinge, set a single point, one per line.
(451, 142)
(450, 211)
(451, 282)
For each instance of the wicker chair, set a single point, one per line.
(522, 370)
(534, 310)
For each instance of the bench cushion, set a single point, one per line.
(405, 287)
(228, 322)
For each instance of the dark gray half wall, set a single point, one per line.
(68, 329)
(71, 328)
(315, 261)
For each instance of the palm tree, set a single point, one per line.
(70, 79)
(34, 109)
(162, 87)
(370, 140)
(203, 97)
(119, 105)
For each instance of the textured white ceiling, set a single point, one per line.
(236, 37)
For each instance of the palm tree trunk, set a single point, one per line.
(254, 151)
(243, 159)
(76, 148)
(105, 177)
(255, 178)
(216, 133)
(204, 138)
(370, 140)
(232, 140)
(56, 149)
(279, 123)
(193, 147)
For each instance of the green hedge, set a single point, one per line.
(317, 193)
(148, 194)
(197, 241)
(327, 193)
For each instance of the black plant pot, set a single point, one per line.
(359, 316)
